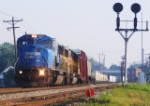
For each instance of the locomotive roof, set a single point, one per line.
(37, 36)
(78, 51)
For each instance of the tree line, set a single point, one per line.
(7, 55)
(7, 58)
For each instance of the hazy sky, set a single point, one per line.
(85, 24)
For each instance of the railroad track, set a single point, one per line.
(47, 96)
(14, 93)
(19, 89)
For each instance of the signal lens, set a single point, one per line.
(135, 8)
(118, 7)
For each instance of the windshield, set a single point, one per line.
(44, 43)
(28, 42)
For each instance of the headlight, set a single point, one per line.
(20, 72)
(41, 72)
(34, 36)
(38, 50)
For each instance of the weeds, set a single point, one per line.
(131, 95)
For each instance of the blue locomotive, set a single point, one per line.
(43, 62)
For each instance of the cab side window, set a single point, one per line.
(21, 43)
(48, 44)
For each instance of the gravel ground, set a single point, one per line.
(35, 93)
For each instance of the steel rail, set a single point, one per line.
(51, 98)
(43, 97)
(15, 90)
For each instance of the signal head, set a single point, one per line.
(118, 7)
(135, 8)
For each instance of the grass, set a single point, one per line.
(131, 95)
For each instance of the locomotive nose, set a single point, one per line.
(32, 57)
(36, 58)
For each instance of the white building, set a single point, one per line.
(141, 78)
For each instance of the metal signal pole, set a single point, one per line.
(135, 8)
(142, 49)
(13, 22)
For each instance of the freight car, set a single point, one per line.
(43, 62)
(112, 78)
(99, 77)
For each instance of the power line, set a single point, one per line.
(1, 12)
(20, 31)
(5, 14)
(30, 26)
(25, 27)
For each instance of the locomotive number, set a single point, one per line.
(32, 55)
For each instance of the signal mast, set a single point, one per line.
(135, 8)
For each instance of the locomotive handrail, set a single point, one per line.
(45, 60)
(15, 64)
(4, 71)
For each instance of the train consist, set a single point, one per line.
(43, 62)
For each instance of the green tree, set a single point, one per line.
(135, 65)
(7, 56)
(114, 67)
(96, 65)
(147, 73)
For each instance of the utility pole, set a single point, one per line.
(103, 62)
(100, 61)
(135, 8)
(13, 22)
